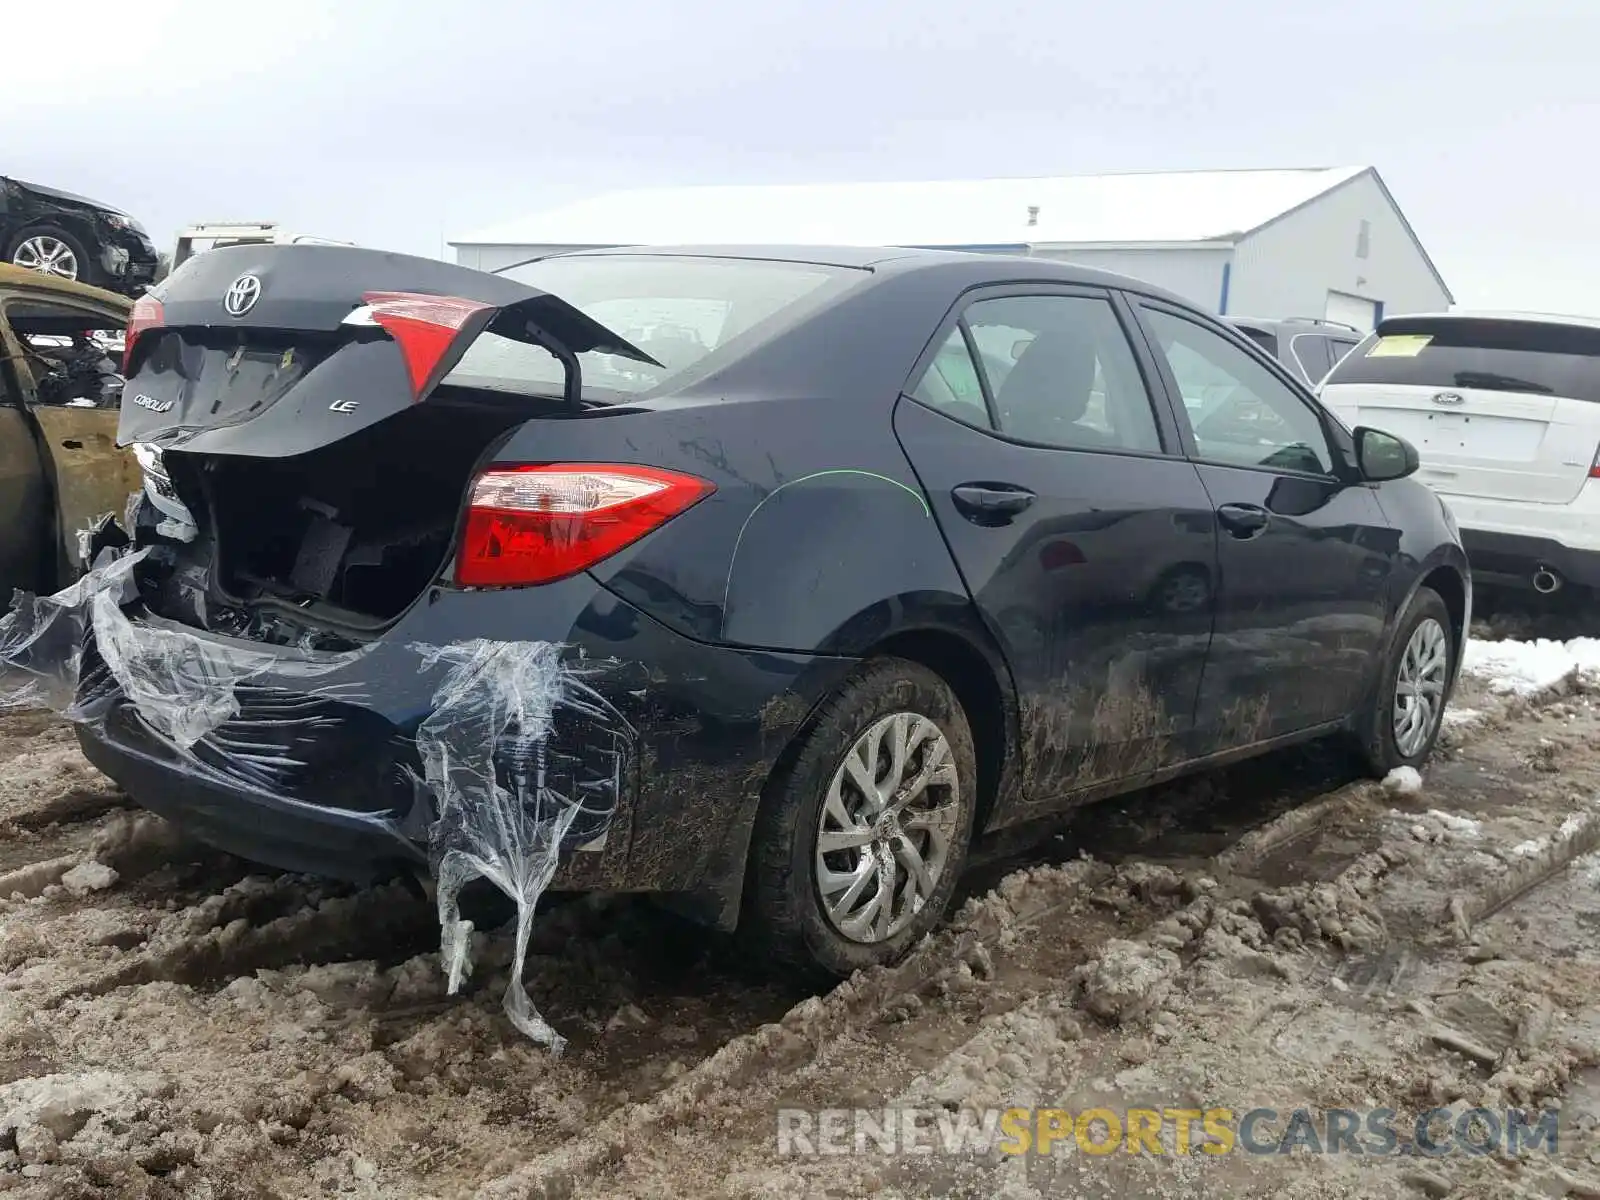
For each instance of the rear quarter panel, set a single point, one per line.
(818, 538)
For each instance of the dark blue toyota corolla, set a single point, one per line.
(765, 579)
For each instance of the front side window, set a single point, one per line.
(1059, 372)
(1241, 413)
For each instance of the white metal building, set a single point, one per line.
(1324, 242)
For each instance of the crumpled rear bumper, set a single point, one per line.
(251, 822)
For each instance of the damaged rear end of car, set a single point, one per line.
(273, 650)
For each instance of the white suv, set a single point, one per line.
(1504, 410)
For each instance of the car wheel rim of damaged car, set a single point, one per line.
(1419, 687)
(887, 822)
(49, 255)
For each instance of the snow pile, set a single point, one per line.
(1465, 826)
(1403, 781)
(1527, 667)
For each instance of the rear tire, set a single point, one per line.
(1403, 717)
(833, 910)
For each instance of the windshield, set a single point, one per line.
(1541, 358)
(689, 314)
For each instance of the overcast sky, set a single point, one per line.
(395, 124)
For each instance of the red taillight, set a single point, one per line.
(1594, 467)
(528, 525)
(1055, 555)
(425, 326)
(146, 314)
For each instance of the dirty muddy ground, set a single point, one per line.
(177, 1023)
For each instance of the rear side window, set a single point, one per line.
(1545, 359)
(1338, 348)
(690, 314)
(1311, 352)
(1054, 370)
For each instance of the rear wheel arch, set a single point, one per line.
(982, 688)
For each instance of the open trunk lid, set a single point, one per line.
(1498, 408)
(274, 351)
(306, 458)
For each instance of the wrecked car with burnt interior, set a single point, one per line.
(765, 580)
(60, 387)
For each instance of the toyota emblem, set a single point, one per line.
(241, 295)
(1449, 398)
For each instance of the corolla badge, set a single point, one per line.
(152, 403)
(241, 295)
(1451, 398)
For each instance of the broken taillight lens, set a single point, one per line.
(425, 326)
(146, 314)
(536, 524)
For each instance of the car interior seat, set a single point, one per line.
(1045, 396)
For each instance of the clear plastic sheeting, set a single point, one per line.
(505, 816)
(520, 758)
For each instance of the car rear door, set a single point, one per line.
(1085, 538)
(1498, 409)
(1305, 552)
(75, 411)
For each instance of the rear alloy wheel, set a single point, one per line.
(1402, 721)
(50, 252)
(860, 840)
(883, 842)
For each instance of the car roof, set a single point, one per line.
(11, 276)
(1296, 325)
(904, 259)
(1537, 318)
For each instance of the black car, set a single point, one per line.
(763, 579)
(70, 237)
(1307, 347)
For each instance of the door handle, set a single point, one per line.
(1243, 520)
(991, 503)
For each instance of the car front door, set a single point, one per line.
(1304, 549)
(1085, 538)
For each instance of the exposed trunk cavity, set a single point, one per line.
(345, 537)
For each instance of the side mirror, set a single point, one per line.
(1384, 456)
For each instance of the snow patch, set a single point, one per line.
(1522, 668)
(88, 877)
(1465, 826)
(1403, 781)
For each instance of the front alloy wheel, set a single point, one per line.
(48, 255)
(883, 840)
(1419, 687)
(1399, 720)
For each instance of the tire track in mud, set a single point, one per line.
(966, 1018)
